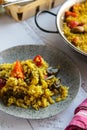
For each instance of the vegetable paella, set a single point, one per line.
(75, 25)
(31, 83)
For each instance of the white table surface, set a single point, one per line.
(14, 33)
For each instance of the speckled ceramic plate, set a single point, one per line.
(69, 74)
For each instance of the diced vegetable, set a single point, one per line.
(69, 13)
(72, 24)
(38, 60)
(17, 70)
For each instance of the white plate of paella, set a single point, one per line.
(37, 81)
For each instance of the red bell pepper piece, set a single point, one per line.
(72, 24)
(17, 70)
(38, 60)
(69, 13)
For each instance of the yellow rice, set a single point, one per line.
(81, 43)
(32, 91)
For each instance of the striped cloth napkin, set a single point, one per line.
(79, 121)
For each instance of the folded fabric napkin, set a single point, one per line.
(79, 121)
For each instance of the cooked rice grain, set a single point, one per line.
(32, 91)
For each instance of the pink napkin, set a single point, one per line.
(79, 121)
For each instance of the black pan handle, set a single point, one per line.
(36, 21)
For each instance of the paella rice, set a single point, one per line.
(75, 25)
(28, 84)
